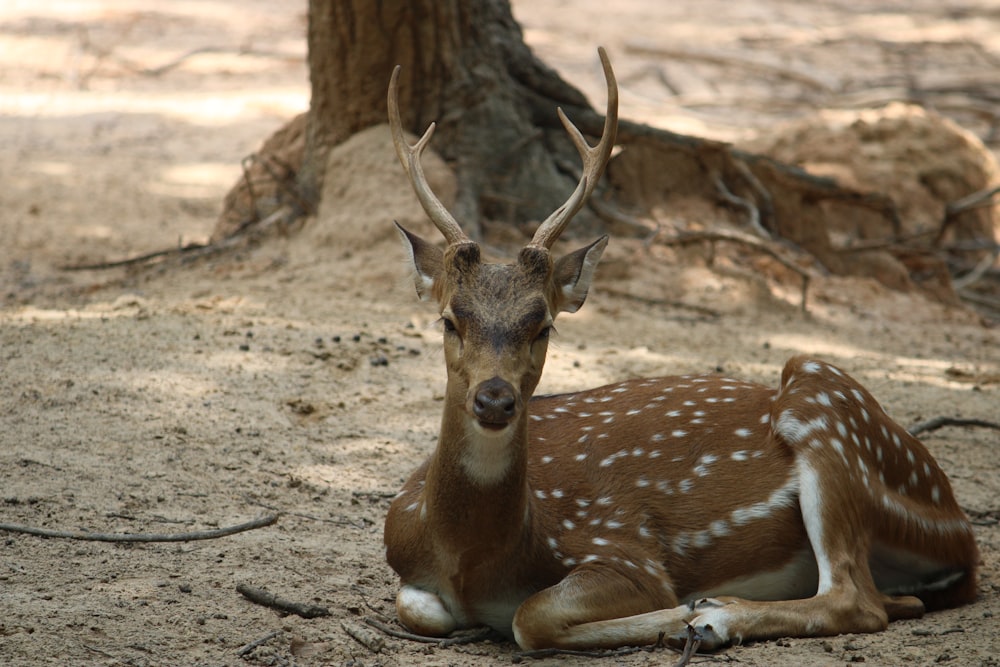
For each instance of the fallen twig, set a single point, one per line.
(279, 219)
(142, 537)
(470, 638)
(246, 649)
(139, 259)
(266, 599)
(401, 634)
(939, 422)
(690, 647)
(364, 636)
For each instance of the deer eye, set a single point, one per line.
(449, 326)
(544, 333)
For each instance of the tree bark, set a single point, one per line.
(466, 67)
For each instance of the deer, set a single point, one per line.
(625, 514)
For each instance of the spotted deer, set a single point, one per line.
(619, 515)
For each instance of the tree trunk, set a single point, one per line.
(466, 67)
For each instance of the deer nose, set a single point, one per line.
(495, 403)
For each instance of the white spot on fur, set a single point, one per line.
(782, 497)
(719, 528)
(795, 430)
(811, 503)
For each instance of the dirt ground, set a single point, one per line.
(302, 377)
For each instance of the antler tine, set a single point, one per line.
(595, 159)
(409, 157)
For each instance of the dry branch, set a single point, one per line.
(401, 634)
(942, 421)
(690, 647)
(281, 218)
(142, 537)
(267, 599)
(480, 635)
(977, 199)
(364, 636)
(247, 648)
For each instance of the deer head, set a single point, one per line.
(497, 317)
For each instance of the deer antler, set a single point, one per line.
(409, 157)
(594, 160)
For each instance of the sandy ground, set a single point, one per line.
(303, 378)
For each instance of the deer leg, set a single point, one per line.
(846, 600)
(424, 612)
(902, 607)
(598, 605)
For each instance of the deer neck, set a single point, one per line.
(476, 483)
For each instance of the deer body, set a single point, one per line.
(620, 514)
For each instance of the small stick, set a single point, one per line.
(251, 230)
(980, 198)
(266, 599)
(401, 634)
(690, 647)
(142, 537)
(257, 642)
(480, 635)
(978, 271)
(939, 422)
(364, 636)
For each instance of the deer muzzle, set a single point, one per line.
(495, 403)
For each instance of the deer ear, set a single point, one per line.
(574, 273)
(426, 261)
